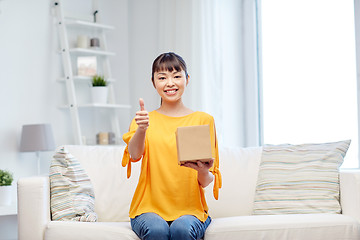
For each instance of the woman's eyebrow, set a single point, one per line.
(167, 72)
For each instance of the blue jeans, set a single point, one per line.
(150, 226)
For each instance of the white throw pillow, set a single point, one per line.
(239, 169)
(295, 179)
(71, 192)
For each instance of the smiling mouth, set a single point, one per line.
(172, 91)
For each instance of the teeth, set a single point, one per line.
(171, 91)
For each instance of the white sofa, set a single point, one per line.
(232, 213)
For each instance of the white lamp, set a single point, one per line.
(37, 138)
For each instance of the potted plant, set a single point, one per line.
(99, 90)
(6, 179)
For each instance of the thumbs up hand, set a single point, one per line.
(142, 116)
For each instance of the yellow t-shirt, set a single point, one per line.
(164, 187)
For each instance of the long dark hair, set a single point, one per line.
(168, 62)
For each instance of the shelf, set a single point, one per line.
(96, 105)
(85, 78)
(104, 105)
(8, 210)
(92, 142)
(81, 23)
(91, 52)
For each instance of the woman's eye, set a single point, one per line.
(161, 78)
(178, 76)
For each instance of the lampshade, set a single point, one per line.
(37, 137)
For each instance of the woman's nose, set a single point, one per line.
(170, 82)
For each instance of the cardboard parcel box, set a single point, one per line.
(193, 144)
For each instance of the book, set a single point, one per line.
(193, 144)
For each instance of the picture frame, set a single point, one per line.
(86, 66)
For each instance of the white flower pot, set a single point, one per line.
(99, 95)
(5, 195)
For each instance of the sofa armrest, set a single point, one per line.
(350, 192)
(33, 207)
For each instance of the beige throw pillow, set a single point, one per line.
(71, 191)
(296, 179)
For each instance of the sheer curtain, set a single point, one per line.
(218, 41)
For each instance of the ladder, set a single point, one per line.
(68, 53)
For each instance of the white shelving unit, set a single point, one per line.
(97, 105)
(85, 51)
(68, 53)
(85, 79)
(87, 24)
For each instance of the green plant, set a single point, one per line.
(98, 81)
(6, 178)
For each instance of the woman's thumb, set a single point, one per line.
(142, 106)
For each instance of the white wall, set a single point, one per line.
(143, 32)
(29, 67)
(155, 27)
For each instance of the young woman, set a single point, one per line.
(169, 201)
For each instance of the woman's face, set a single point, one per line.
(170, 85)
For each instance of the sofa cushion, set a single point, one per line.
(89, 231)
(239, 170)
(112, 189)
(285, 227)
(300, 178)
(71, 192)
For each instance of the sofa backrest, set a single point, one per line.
(113, 191)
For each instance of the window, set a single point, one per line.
(309, 73)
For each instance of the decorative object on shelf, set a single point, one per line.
(37, 138)
(105, 138)
(94, 14)
(6, 179)
(86, 66)
(82, 41)
(112, 139)
(94, 43)
(102, 138)
(99, 91)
